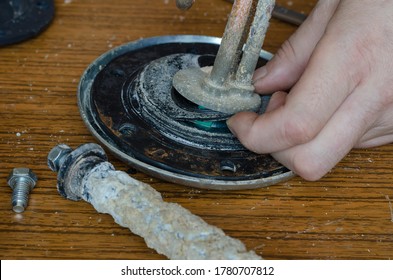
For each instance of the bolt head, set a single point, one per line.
(57, 155)
(22, 173)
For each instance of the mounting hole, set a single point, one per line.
(228, 166)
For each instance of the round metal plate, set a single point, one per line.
(104, 100)
(23, 19)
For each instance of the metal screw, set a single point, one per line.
(22, 181)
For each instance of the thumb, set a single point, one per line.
(240, 125)
(288, 64)
(244, 124)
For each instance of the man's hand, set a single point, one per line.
(339, 69)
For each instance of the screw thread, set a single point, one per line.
(20, 195)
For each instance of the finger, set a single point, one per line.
(314, 159)
(290, 61)
(381, 132)
(323, 87)
(276, 100)
(240, 124)
(376, 141)
(248, 118)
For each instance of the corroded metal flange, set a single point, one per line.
(127, 101)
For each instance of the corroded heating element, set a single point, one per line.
(227, 87)
(170, 229)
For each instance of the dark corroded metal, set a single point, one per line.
(127, 101)
(73, 165)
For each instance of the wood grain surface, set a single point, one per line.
(346, 215)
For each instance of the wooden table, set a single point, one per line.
(346, 215)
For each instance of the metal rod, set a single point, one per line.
(254, 43)
(232, 42)
(228, 88)
(286, 15)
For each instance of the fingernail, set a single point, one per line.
(260, 73)
(229, 124)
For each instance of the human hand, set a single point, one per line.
(339, 68)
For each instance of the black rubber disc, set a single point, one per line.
(23, 19)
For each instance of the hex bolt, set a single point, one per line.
(57, 155)
(22, 181)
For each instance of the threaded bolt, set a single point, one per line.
(22, 181)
